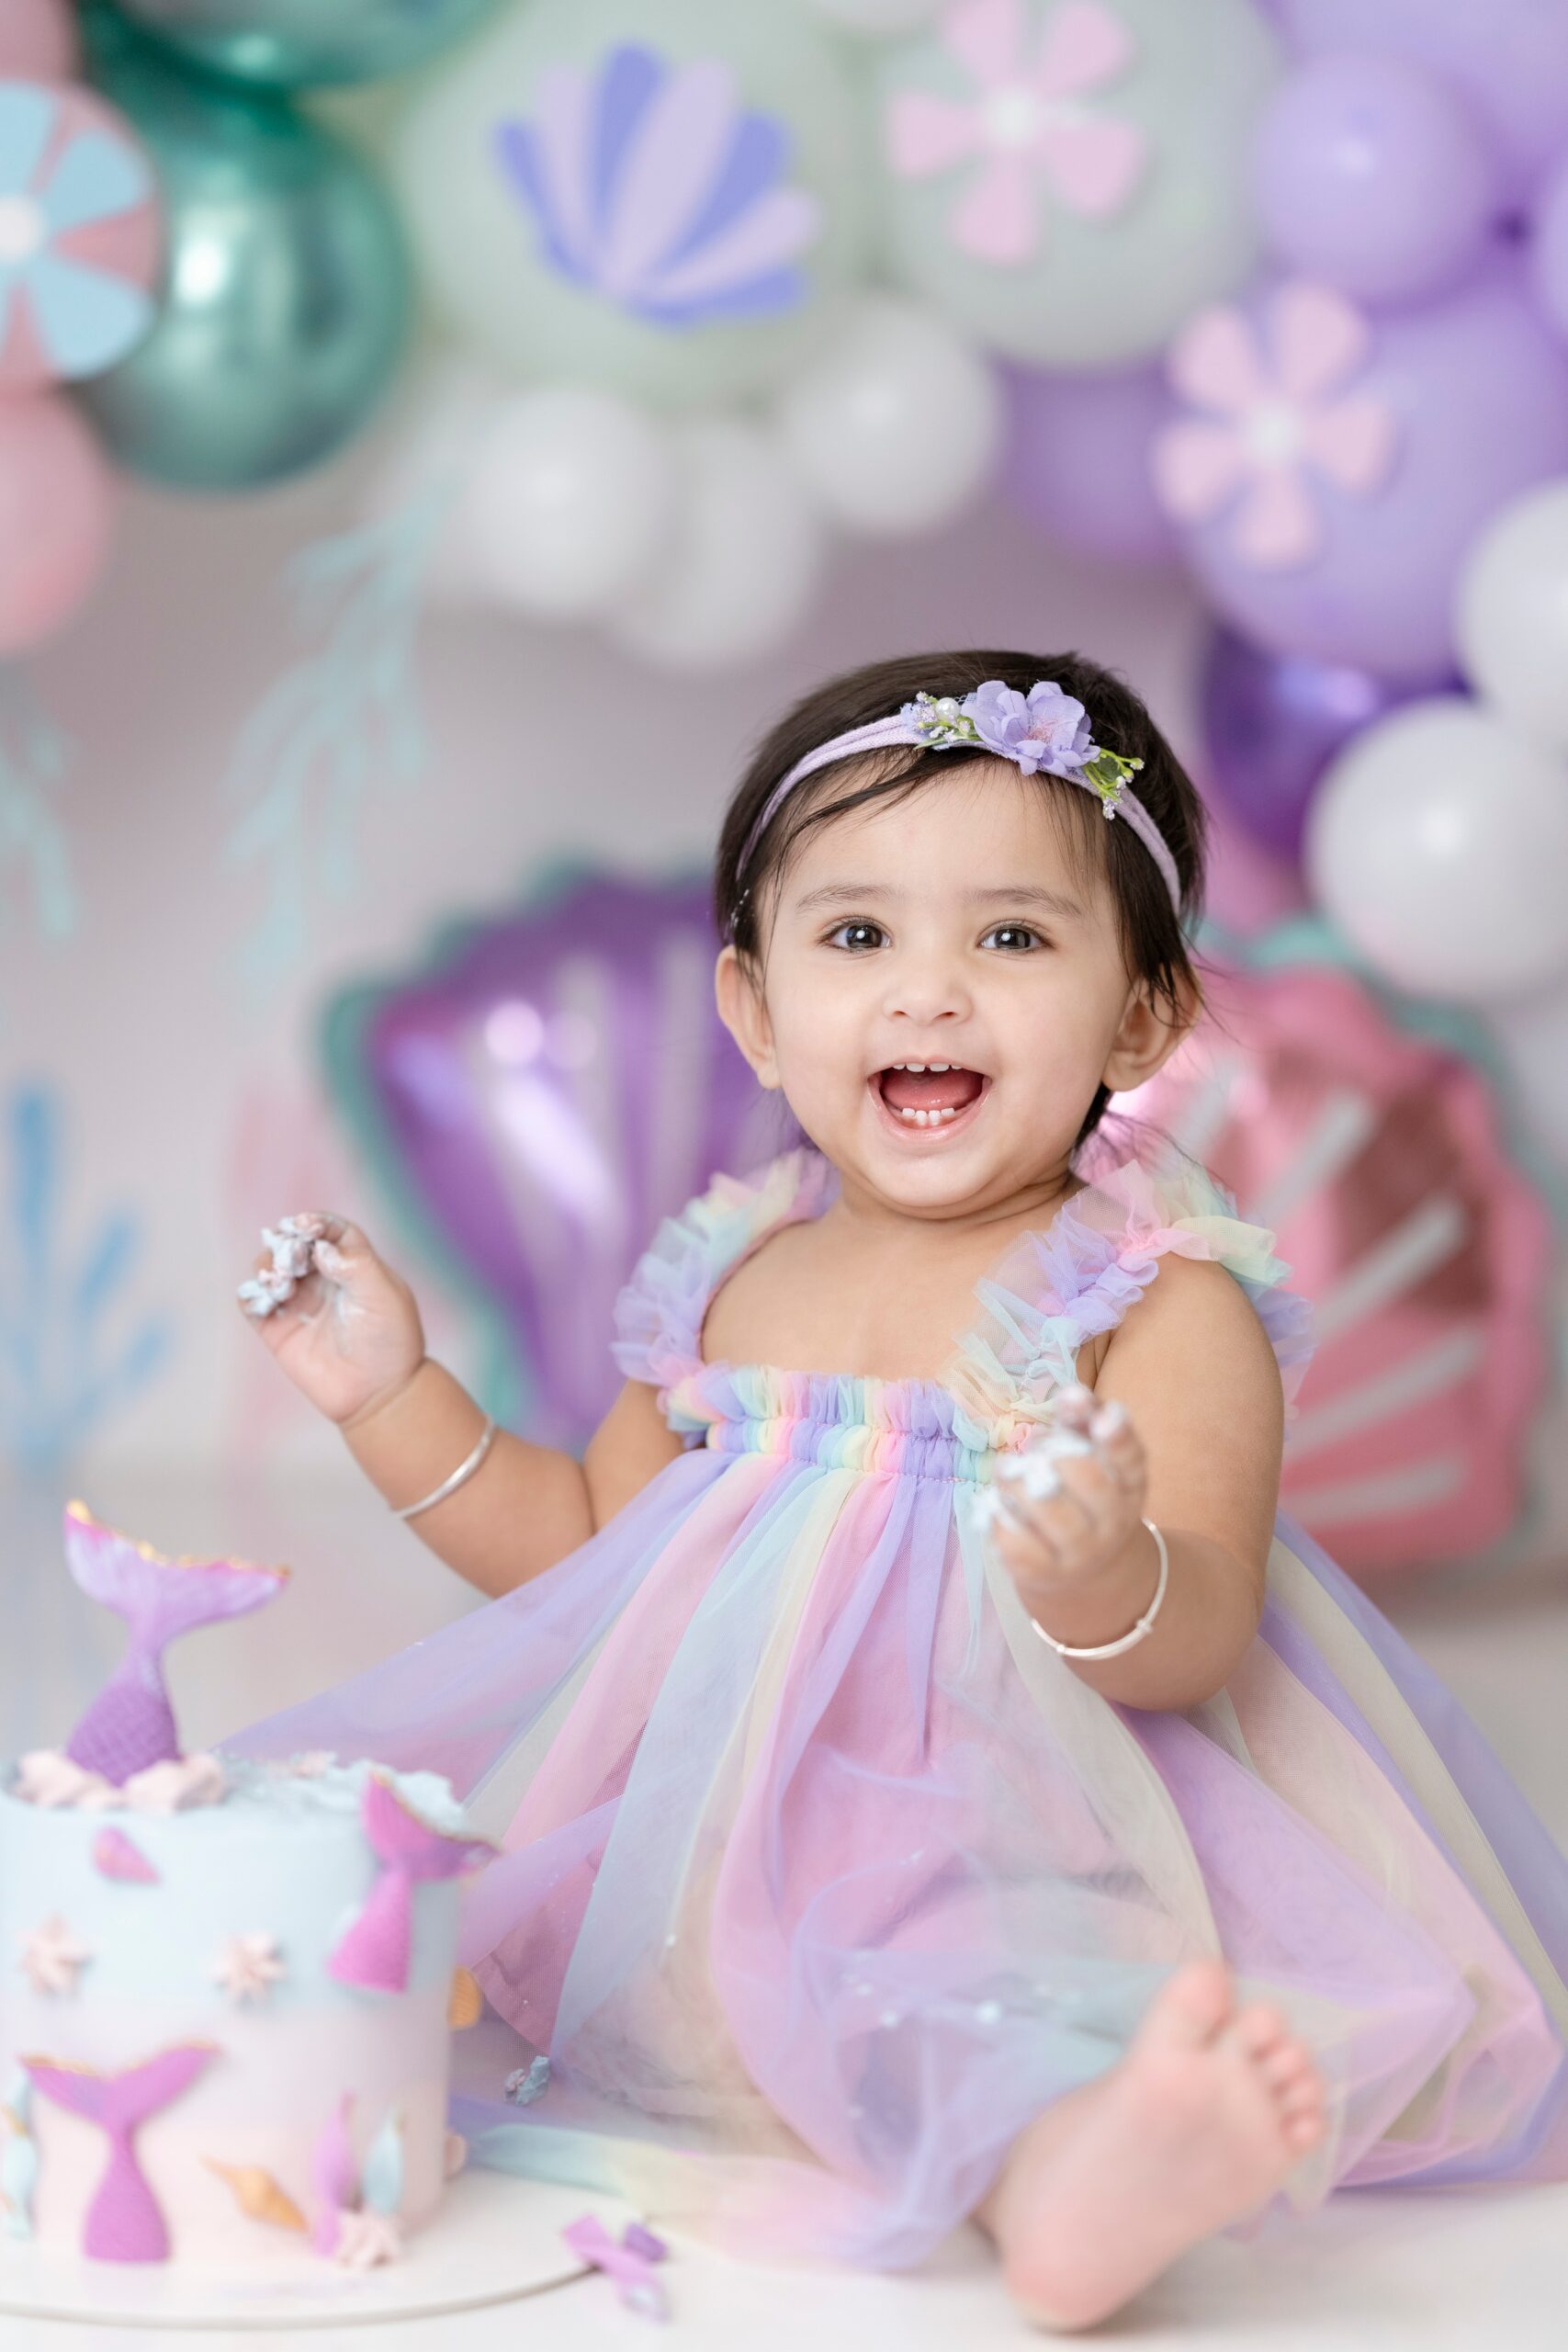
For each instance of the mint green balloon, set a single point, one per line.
(307, 44)
(287, 289)
(662, 200)
(1076, 204)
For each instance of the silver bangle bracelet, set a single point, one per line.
(464, 1471)
(1114, 1650)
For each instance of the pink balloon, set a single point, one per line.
(57, 497)
(37, 41)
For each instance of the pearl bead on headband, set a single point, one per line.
(1045, 731)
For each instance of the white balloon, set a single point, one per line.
(739, 570)
(1513, 614)
(875, 16)
(894, 426)
(1533, 1033)
(566, 499)
(1438, 843)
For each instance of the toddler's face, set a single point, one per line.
(954, 926)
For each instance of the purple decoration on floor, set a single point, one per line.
(1273, 722)
(123, 2223)
(334, 2175)
(631, 2270)
(375, 1949)
(130, 1723)
(652, 187)
(546, 1090)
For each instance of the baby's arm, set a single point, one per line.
(346, 1330)
(1191, 1366)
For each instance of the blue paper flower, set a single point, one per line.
(55, 180)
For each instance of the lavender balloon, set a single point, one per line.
(1331, 471)
(545, 1089)
(1509, 58)
(1370, 173)
(1272, 722)
(1077, 460)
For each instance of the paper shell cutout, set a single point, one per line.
(375, 1949)
(117, 1856)
(466, 2003)
(18, 2159)
(130, 1723)
(258, 2196)
(123, 2223)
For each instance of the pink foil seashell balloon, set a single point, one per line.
(117, 1856)
(1376, 1159)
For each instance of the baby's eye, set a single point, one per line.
(1012, 931)
(852, 922)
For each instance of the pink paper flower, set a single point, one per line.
(1279, 409)
(1026, 125)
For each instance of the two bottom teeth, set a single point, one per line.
(927, 1118)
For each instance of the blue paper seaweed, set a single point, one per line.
(341, 722)
(62, 1366)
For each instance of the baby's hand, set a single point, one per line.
(1065, 1509)
(342, 1325)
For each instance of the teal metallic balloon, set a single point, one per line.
(287, 291)
(307, 44)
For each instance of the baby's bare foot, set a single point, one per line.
(1198, 2124)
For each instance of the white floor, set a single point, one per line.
(1442, 2273)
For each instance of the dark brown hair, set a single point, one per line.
(1154, 941)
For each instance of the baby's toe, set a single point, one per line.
(1259, 2028)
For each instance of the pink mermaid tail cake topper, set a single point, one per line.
(130, 1724)
(123, 2223)
(374, 1949)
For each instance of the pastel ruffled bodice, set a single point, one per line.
(1051, 1290)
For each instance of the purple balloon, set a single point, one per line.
(1272, 722)
(1509, 58)
(1370, 172)
(539, 1095)
(1077, 460)
(1549, 250)
(1476, 393)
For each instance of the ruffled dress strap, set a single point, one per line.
(1062, 1285)
(659, 1312)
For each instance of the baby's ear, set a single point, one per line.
(1152, 1028)
(744, 1010)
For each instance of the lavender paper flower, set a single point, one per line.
(1045, 729)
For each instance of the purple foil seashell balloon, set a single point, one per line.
(130, 1724)
(652, 184)
(553, 1084)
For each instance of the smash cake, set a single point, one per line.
(227, 1987)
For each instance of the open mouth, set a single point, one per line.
(930, 1098)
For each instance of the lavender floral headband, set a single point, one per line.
(1045, 731)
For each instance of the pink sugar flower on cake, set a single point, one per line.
(1025, 127)
(1281, 415)
(248, 1967)
(52, 1957)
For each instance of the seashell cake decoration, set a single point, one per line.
(652, 185)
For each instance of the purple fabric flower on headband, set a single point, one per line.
(1046, 729)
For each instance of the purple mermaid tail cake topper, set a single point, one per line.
(130, 1723)
(374, 1949)
(123, 2223)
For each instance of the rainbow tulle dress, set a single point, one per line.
(822, 1874)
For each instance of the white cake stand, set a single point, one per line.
(496, 2237)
